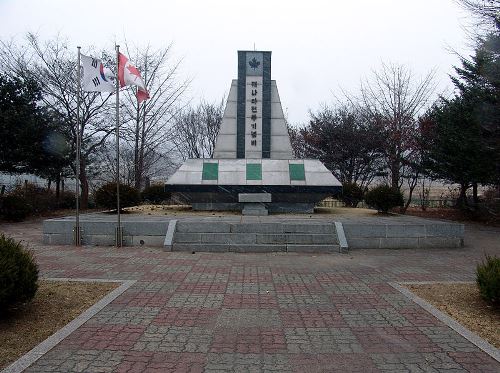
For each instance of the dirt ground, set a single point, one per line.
(180, 210)
(55, 304)
(463, 303)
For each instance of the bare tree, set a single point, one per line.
(53, 66)
(487, 12)
(394, 99)
(196, 130)
(348, 144)
(147, 124)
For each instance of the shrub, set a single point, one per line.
(352, 194)
(105, 196)
(18, 274)
(67, 200)
(155, 194)
(488, 279)
(40, 199)
(15, 208)
(384, 198)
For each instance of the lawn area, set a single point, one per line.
(462, 302)
(55, 304)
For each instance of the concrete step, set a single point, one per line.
(255, 238)
(275, 228)
(254, 248)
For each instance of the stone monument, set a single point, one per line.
(253, 169)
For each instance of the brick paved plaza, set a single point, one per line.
(262, 312)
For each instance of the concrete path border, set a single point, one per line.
(344, 247)
(464, 332)
(41, 349)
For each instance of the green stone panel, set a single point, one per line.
(210, 171)
(297, 171)
(254, 171)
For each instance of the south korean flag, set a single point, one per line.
(95, 77)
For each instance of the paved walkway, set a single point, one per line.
(262, 312)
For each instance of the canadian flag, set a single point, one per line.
(128, 74)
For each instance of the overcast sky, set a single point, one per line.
(319, 47)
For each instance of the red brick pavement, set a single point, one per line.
(261, 312)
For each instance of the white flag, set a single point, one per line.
(95, 78)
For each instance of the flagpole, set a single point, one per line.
(77, 237)
(119, 227)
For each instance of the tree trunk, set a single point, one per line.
(407, 204)
(462, 198)
(84, 187)
(475, 198)
(137, 181)
(58, 188)
(141, 150)
(394, 166)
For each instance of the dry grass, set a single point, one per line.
(175, 210)
(463, 303)
(55, 304)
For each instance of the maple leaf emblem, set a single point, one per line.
(133, 70)
(254, 64)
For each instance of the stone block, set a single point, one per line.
(145, 228)
(254, 209)
(254, 197)
(445, 229)
(99, 228)
(439, 242)
(275, 177)
(217, 227)
(58, 239)
(399, 243)
(364, 230)
(278, 127)
(264, 248)
(312, 248)
(154, 241)
(309, 228)
(99, 240)
(321, 178)
(233, 238)
(363, 243)
(257, 228)
(61, 226)
(271, 238)
(274, 165)
(232, 165)
(170, 235)
(405, 230)
(324, 239)
(198, 247)
(187, 237)
(232, 178)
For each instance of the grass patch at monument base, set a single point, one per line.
(55, 304)
(462, 302)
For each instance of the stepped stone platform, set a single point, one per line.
(285, 232)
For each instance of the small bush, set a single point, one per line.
(15, 208)
(18, 274)
(67, 200)
(488, 279)
(40, 199)
(384, 198)
(352, 194)
(155, 194)
(105, 196)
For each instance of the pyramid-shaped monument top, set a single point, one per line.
(253, 125)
